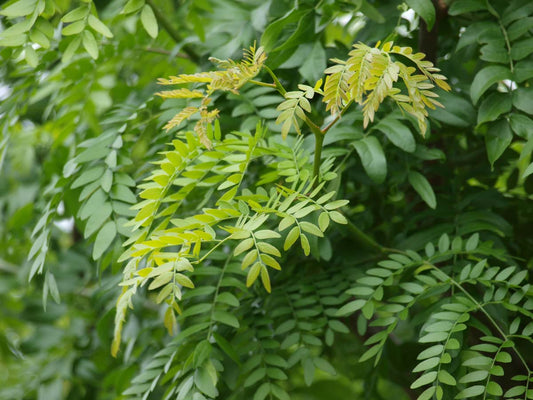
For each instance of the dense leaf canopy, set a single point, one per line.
(282, 199)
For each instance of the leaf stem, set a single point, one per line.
(173, 33)
(211, 250)
(319, 135)
(259, 83)
(337, 118)
(277, 83)
(319, 141)
(210, 330)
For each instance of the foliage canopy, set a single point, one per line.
(344, 212)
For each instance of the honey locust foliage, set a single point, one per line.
(328, 217)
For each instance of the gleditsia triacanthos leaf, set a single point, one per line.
(231, 76)
(370, 75)
(336, 89)
(293, 108)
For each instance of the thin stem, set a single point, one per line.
(319, 136)
(230, 256)
(173, 33)
(277, 83)
(504, 33)
(259, 83)
(330, 125)
(210, 251)
(319, 140)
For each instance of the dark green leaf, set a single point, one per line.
(372, 158)
(423, 188)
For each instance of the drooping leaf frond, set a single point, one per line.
(231, 76)
(371, 75)
(293, 108)
(337, 92)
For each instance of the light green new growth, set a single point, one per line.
(164, 246)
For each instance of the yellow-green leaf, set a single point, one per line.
(149, 21)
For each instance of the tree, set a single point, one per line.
(343, 212)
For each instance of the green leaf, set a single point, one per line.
(472, 242)
(314, 64)
(71, 49)
(423, 188)
(324, 365)
(201, 352)
(13, 41)
(149, 21)
(99, 26)
(522, 125)
(243, 246)
(305, 244)
(309, 371)
(255, 377)
(494, 389)
(323, 219)
(487, 77)
(434, 337)
(372, 158)
(427, 364)
(19, 8)
(523, 71)
(204, 382)
(104, 238)
(226, 318)
(428, 393)
(89, 42)
(73, 28)
(515, 391)
(31, 56)
(425, 379)
(425, 9)
(291, 238)
(493, 106)
(253, 273)
(370, 353)
(97, 218)
(459, 7)
(475, 376)
(497, 139)
(350, 308)
(262, 392)
(132, 6)
(471, 391)
(399, 134)
(522, 49)
(76, 14)
(431, 352)
(269, 39)
(522, 99)
(446, 378)
(226, 347)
